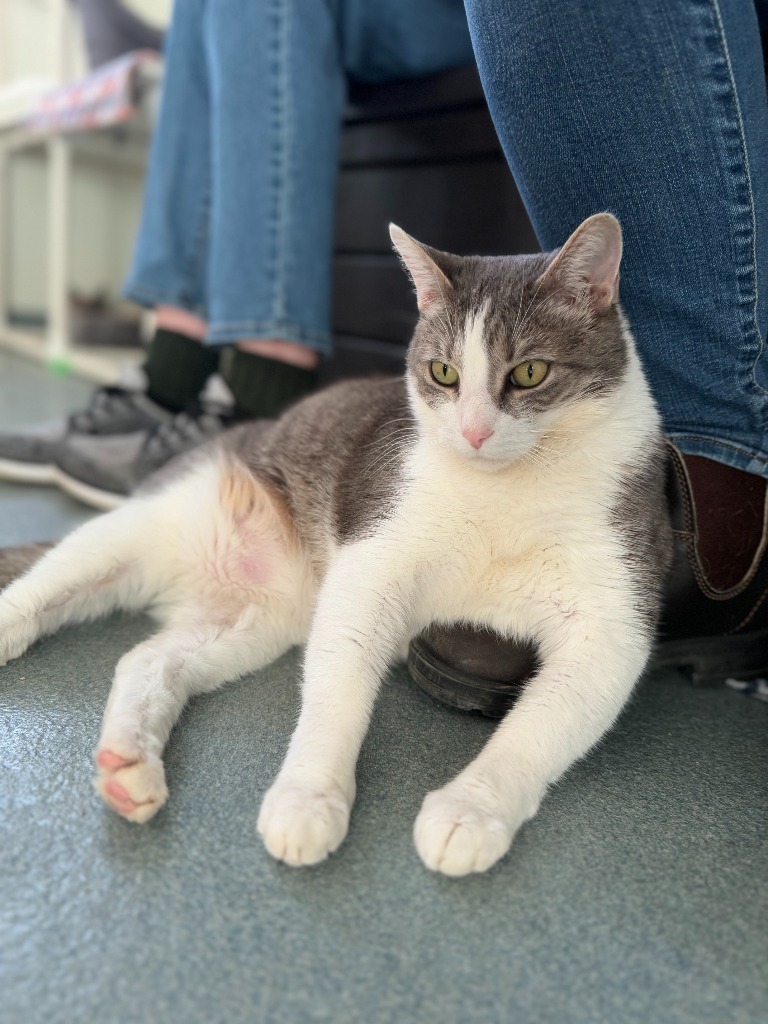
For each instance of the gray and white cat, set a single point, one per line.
(513, 480)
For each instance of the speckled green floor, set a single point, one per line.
(639, 893)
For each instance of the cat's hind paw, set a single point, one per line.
(457, 836)
(301, 824)
(131, 786)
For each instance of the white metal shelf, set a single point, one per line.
(122, 146)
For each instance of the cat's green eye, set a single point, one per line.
(443, 373)
(528, 375)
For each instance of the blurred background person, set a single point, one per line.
(235, 244)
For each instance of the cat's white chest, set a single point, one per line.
(500, 550)
(492, 517)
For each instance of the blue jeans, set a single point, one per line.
(655, 110)
(238, 213)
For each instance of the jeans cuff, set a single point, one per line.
(227, 333)
(727, 452)
(146, 295)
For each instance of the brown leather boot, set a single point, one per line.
(715, 618)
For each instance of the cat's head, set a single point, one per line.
(506, 346)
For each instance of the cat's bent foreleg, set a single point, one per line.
(90, 573)
(361, 617)
(564, 710)
(153, 683)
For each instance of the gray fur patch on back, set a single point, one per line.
(641, 520)
(15, 561)
(335, 459)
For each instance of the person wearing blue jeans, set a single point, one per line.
(235, 244)
(655, 111)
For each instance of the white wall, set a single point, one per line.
(39, 39)
(105, 205)
(105, 199)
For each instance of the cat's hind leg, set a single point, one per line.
(153, 682)
(96, 569)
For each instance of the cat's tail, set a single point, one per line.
(15, 561)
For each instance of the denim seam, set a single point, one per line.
(280, 161)
(199, 244)
(250, 329)
(271, 325)
(715, 5)
(675, 435)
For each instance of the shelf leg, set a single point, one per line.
(58, 259)
(5, 185)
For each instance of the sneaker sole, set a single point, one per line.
(105, 501)
(27, 472)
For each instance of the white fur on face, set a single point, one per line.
(475, 413)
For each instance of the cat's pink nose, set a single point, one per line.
(477, 436)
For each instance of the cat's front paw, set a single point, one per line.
(130, 784)
(16, 634)
(302, 824)
(457, 834)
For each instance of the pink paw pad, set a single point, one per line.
(119, 797)
(112, 761)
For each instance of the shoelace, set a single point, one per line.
(109, 402)
(184, 431)
(105, 405)
(211, 413)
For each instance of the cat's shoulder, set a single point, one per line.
(349, 401)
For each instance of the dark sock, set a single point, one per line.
(263, 387)
(177, 367)
(730, 516)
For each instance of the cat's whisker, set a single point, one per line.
(519, 310)
(382, 467)
(384, 460)
(445, 307)
(400, 432)
(446, 334)
(530, 309)
(539, 458)
(526, 316)
(395, 450)
(384, 456)
(395, 425)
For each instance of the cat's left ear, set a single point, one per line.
(587, 267)
(431, 283)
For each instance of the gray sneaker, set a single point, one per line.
(104, 471)
(30, 455)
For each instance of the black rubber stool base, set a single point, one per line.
(466, 682)
(453, 685)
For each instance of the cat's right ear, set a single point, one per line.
(586, 269)
(430, 282)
